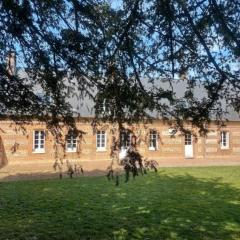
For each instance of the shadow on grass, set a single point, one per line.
(155, 206)
(184, 207)
(49, 175)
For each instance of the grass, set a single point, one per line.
(175, 203)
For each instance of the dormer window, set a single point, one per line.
(44, 98)
(102, 108)
(182, 103)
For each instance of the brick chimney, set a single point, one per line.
(11, 63)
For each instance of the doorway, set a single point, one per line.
(188, 145)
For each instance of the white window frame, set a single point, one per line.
(71, 139)
(188, 139)
(153, 137)
(224, 143)
(127, 143)
(37, 146)
(101, 145)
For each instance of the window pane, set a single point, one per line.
(153, 139)
(71, 140)
(101, 137)
(39, 139)
(42, 134)
(188, 139)
(224, 139)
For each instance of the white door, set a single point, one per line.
(122, 153)
(125, 143)
(188, 146)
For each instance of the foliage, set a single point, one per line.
(124, 54)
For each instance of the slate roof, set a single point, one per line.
(84, 106)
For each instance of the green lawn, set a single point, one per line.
(176, 203)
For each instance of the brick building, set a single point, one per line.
(31, 148)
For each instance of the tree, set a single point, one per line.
(124, 54)
(112, 49)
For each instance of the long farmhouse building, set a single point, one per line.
(31, 148)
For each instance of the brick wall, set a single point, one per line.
(16, 147)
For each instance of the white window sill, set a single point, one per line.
(38, 151)
(71, 150)
(152, 149)
(101, 150)
(224, 148)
